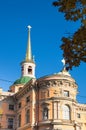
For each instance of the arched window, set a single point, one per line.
(19, 120)
(20, 88)
(30, 70)
(28, 116)
(66, 112)
(45, 113)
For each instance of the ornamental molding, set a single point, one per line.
(26, 89)
(56, 83)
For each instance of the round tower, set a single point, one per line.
(56, 95)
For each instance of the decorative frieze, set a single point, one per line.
(56, 83)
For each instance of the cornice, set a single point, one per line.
(25, 89)
(56, 83)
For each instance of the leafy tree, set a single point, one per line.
(74, 48)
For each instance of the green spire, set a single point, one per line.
(28, 52)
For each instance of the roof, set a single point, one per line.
(64, 74)
(23, 80)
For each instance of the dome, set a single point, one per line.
(23, 80)
(62, 75)
(62, 78)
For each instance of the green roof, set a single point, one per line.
(23, 80)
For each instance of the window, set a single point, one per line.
(10, 123)
(11, 107)
(45, 113)
(30, 70)
(78, 115)
(66, 112)
(20, 88)
(28, 116)
(19, 105)
(19, 120)
(28, 99)
(66, 93)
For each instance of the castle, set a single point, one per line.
(46, 103)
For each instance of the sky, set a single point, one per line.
(48, 27)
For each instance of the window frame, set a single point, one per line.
(11, 107)
(28, 116)
(45, 116)
(66, 93)
(19, 120)
(66, 112)
(19, 105)
(30, 70)
(27, 99)
(78, 115)
(10, 123)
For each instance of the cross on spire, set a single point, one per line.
(29, 27)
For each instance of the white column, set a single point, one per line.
(55, 112)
